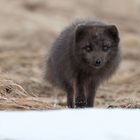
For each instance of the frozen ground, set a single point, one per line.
(86, 124)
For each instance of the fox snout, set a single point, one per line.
(98, 62)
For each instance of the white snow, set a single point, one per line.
(84, 124)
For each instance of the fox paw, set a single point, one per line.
(80, 103)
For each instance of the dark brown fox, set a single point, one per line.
(84, 55)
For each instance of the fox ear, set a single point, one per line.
(113, 32)
(80, 32)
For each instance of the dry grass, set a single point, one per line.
(27, 30)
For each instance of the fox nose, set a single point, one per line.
(98, 62)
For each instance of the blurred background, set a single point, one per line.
(27, 31)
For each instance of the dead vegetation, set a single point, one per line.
(27, 30)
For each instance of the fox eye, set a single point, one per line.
(88, 48)
(106, 46)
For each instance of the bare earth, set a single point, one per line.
(27, 30)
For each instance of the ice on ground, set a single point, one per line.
(84, 124)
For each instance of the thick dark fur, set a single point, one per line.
(71, 64)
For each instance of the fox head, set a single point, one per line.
(96, 45)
